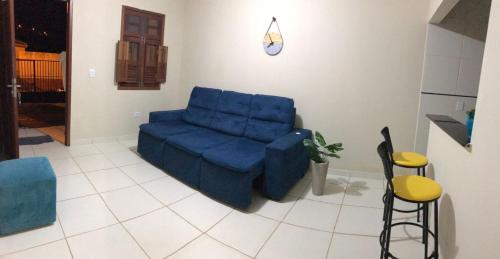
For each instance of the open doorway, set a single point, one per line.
(43, 55)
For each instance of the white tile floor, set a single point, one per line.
(112, 204)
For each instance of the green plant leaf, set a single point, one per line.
(320, 139)
(312, 150)
(334, 155)
(335, 147)
(319, 151)
(309, 143)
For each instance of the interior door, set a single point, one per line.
(9, 142)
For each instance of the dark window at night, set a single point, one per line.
(141, 56)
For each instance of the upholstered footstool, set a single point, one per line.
(27, 194)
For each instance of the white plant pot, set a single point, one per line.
(319, 171)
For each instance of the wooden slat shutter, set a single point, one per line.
(150, 64)
(122, 61)
(127, 62)
(161, 73)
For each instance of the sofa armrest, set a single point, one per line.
(164, 116)
(286, 162)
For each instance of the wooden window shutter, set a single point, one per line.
(150, 64)
(141, 59)
(127, 62)
(122, 61)
(161, 74)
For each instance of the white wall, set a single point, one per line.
(470, 209)
(99, 110)
(452, 63)
(352, 67)
(439, 9)
(452, 66)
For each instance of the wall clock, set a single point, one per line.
(273, 42)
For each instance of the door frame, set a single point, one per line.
(69, 53)
(9, 101)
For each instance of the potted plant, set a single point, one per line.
(470, 123)
(319, 152)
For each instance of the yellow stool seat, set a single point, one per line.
(409, 159)
(416, 188)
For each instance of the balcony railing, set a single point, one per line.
(39, 75)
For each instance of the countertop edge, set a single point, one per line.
(455, 129)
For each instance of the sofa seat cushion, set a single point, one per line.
(198, 142)
(271, 117)
(162, 130)
(243, 155)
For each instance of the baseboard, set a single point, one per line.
(86, 141)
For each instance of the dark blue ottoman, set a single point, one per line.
(27, 194)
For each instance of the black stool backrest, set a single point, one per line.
(383, 152)
(388, 141)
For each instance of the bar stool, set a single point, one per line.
(409, 188)
(407, 160)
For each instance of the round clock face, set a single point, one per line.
(273, 43)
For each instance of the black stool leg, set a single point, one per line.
(418, 204)
(389, 223)
(436, 236)
(425, 234)
(384, 234)
(384, 200)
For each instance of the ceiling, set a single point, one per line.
(470, 18)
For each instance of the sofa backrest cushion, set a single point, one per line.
(201, 107)
(231, 115)
(270, 117)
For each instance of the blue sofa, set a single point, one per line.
(225, 143)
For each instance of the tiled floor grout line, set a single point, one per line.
(187, 221)
(184, 198)
(78, 197)
(330, 244)
(267, 239)
(31, 247)
(116, 218)
(148, 181)
(222, 241)
(65, 237)
(360, 206)
(280, 222)
(182, 247)
(232, 248)
(167, 206)
(140, 186)
(202, 233)
(158, 200)
(135, 240)
(64, 234)
(106, 155)
(92, 230)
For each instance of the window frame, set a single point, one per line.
(143, 38)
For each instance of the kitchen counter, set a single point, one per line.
(452, 127)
